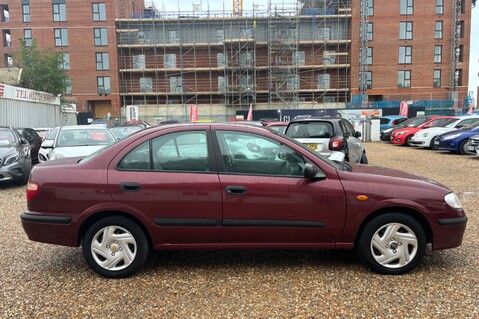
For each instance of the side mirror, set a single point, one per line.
(47, 144)
(312, 172)
(24, 141)
(357, 134)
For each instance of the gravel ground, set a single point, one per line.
(45, 281)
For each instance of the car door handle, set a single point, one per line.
(130, 187)
(236, 190)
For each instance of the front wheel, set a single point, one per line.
(463, 148)
(115, 247)
(392, 244)
(432, 145)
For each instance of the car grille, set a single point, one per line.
(472, 142)
(1, 162)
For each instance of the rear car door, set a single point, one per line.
(170, 179)
(266, 198)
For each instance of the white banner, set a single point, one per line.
(17, 93)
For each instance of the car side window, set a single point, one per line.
(138, 159)
(347, 128)
(251, 154)
(185, 151)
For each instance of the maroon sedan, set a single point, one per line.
(233, 186)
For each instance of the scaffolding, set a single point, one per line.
(289, 56)
(456, 52)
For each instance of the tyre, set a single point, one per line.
(463, 148)
(115, 247)
(431, 145)
(408, 141)
(364, 159)
(392, 244)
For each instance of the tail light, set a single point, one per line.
(335, 144)
(32, 190)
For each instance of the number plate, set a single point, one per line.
(314, 147)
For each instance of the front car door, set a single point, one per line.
(266, 198)
(355, 146)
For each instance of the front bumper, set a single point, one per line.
(450, 233)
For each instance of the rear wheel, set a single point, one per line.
(392, 244)
(115, 247)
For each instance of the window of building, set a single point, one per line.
(59, 10)
(370, 7)
(222, 59)
(438, 30)
(143, 37)
(222, 83)
(169, 61)
(26, 10)
(460, 28)
(7, 38)
(8, 60)
(323, 33)
(405, 55)
(69, 88)
(103, 85)
(101, 36)
(324, 81)
(370, 31)
(27, 36)
(220, 35)
(329, 57)
(437, 79)
(299, 58)
(4, 13)
(369, 79)
(246, 59)
(176, 84)
(172, 37)
(66, 61)
(99, 11)
(293, 82)
(139, 62)
(146, 84)
(458, 77)
(439, 6)
(405, 30)
(246, 82)
(102, 61)
(369, 56)
(406, 7)
(404, 79)
(462, 5)
(61, 37)
(246, 33)
(459, 53)
(438, 54)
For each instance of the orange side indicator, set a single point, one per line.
(361, 197)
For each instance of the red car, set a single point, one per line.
(234, 186)
(404, 135)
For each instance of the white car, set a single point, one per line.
(426, 137)
(473, 144)
(74, 140)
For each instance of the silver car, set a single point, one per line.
(334, 138)
(15, 156)
(75, 140)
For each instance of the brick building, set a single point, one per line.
(312, 54)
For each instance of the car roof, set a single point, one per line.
(317, 119)
(83, 127)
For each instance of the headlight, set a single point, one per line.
(401, 133)
(58, 156)
(11, 159)
(453, 200)
(424, 134)
(451, 137)
(387, 130)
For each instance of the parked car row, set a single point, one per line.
(455, 134)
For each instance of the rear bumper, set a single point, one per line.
(51, 229)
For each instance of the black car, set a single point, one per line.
(335, 138)
(15, 158)
(385, 135)
(33, 139)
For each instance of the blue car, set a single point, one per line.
(456, 141)
(390, 120)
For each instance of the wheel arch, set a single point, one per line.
(397, 209)
(111, 213)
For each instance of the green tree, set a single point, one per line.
(42, 69)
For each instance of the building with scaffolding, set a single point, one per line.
(309, 54)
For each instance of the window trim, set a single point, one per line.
(98, 11)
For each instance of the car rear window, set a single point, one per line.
(317, 129)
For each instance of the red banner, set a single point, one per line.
(193, 113)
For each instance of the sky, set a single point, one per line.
(262, 5)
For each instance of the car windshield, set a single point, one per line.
(6, 137)
(450, 123)
(83, 137)
(278, 128)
